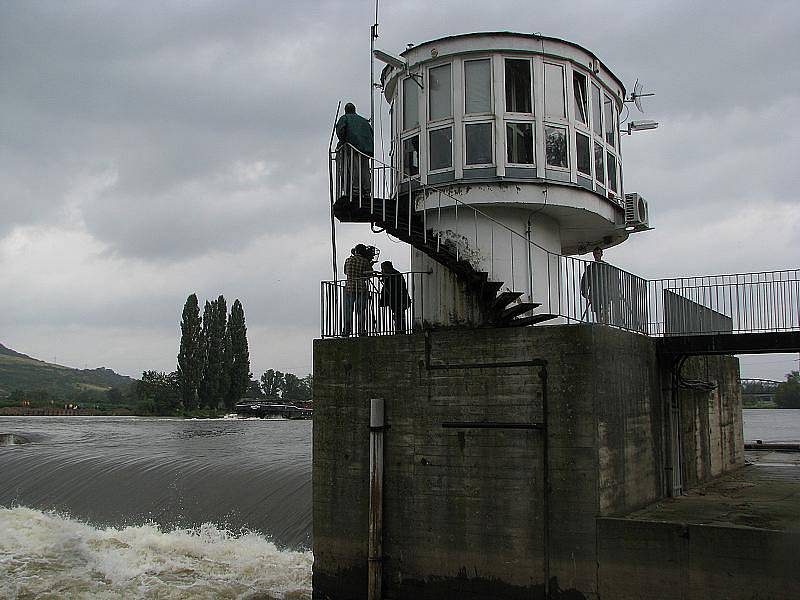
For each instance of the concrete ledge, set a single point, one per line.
(664, 560)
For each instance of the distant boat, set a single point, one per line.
(266, 410)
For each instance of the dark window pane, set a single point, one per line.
(441, 148)
(411, 156)
(597, 111)
(580, 99)
(599, 164)
(610, 120)
(518, 86)
(479, 143)
(439, 92)
(612, 171)
(519, 142)
(583, 150)
(556, 146)
(554, 104)
(410, 104)
(478, 86)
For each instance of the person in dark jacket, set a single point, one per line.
(355, 130)
(394, 295)
(597, 287)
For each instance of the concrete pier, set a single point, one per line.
(735, 537)
(505, 450)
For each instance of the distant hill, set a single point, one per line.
(21, 372)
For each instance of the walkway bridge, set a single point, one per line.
(742, 313)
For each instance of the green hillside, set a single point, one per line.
(21, 372)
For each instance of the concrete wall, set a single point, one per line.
(657, 560)
(467, 513)
(712, 437)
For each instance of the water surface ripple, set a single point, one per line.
(174, 473)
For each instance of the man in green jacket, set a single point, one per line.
(353, 129)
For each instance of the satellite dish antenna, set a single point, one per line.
(637, 94)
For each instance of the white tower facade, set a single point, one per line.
(509, 144)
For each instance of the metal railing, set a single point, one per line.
(571, 288)
(767, 301)
(378, 305)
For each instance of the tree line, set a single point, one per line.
(214, 357)
(787, 395)
(286, 386)
(213, 370)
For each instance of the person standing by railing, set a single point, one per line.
(355, 130)
(394, 295)
(358, 269)
(595, 286)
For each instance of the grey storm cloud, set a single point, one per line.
(153, 149)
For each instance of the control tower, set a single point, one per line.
(507, 146)
(459, 452)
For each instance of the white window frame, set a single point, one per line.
(565, 94)
(614, 119)
(420, 114)
(566, 129)
(481, 116)
(595, 144)
(587, 127)
(492, 143)
(612, 193)
(441, 120)
(406, 136)
(599, 118)
(588, 136)
(508, 121)
(519, 116)
(439, 127)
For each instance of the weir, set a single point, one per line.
(533, 403)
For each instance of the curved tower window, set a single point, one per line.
(518, 85)
(599, 164)
(519, 143)
(584, 154)
(440, 148)
(478, 86)
(580, 98)
(411, 156)
(410, 104)
(554, 101)
(556, 146)
(612, 171)
(608, 105)
(597, 111)
(440, 93)
(479, 143)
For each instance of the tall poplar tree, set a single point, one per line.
(190, 355)
(209, 380)
(239, 355)
(222, 348)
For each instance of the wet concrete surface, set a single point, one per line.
(764, 494)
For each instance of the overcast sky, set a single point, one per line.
(153, 149)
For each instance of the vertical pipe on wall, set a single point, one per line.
(545, 482)
(375, 557)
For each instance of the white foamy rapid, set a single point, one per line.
(43, 554)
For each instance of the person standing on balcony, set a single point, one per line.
(358, 269)
(394, 295)
(595, 286)
(354, 130)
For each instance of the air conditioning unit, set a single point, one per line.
(637, 215)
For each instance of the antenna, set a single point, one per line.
(373, 34)
(637, 94)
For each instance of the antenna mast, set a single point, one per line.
(373, 34)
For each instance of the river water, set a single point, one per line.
(127, 507)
